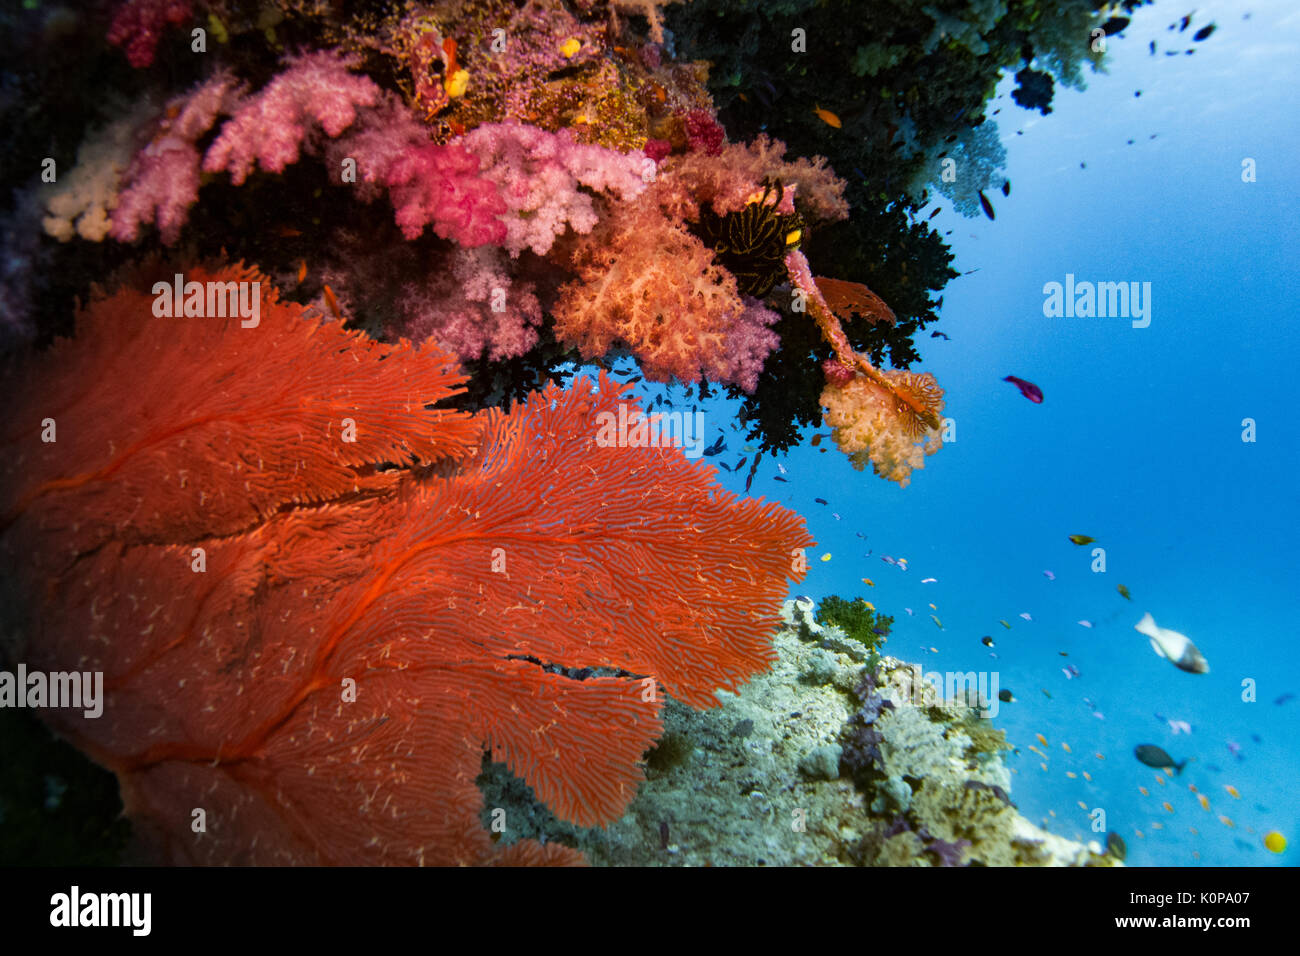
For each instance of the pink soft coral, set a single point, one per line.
(138, 25)
(317, 89)
(441, 185)
(474, 308)
(539, 175)
(163, 179)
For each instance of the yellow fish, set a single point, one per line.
(1081, 539)
(933, 608)
(1141, 835)
(1043, 765)
(1227, 821)
(1073, 776)
(1157, 825)
(1232, 792)
(1168, 806)
(1066, 747)
(1274, 842)
(1005, 624)
(1205, 803)
(827, 117)
(1041, 739)
(1145, 791)
(1100, 756)
(1087, 776)
(1160, 780)
(1082, 805)
(869, 606)
(826, 556)
(868, 582)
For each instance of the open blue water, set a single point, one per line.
(1138, 444)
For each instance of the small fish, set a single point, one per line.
(1085, 623)
(1152, 47)
(1049, 575)
(933, 608)
(869, 606)
(836, 516)
(1204, 801)
(1114, 25)
(821, 501)
(1081, 539)
(1006, 187)
(1227, 821)
(929, 580)
(717, 448)
(940, 335)
(332, 302)
(1283, 699)
(868, 582)
(936, 212)
(1005, 624)
(302, 270)
(1087, 776)
(1168, 806)
(287, 232)
(1154, 756)
(781, 468)
(1041, 739)
(1174, 647)
(784, 481)
(1027, 389)
(1203, 33)
(1115, 846)
(740, 464)
(1025, 615)
(1179, 726)
(901, 564)
(826, 556)
(1006, 696)
(1123, 592)
(986, 206)
(937, 623)
(909, 611)
(1070, 672)
(987, 641)
(1232, 791)
(827, 117)
(1145, 791)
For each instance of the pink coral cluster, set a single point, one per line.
(441, 186)
(317, 90)
(163, 179)
(474, 308)
(138, 25)
(540, 175)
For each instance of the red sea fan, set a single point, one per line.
(308, 649)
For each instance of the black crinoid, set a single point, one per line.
(751, 244)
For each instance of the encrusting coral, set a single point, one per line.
(316, 598)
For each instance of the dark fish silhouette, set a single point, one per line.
(784, 481)
(1027, 389)
(939, 335)
(987, 206)
(1006, 187)
(936, 212)
(717, 448)
(821, 501)
(1153, 47)
(1203, 33)
(1186, 23)
(1154, 756)
(740, 464)
(1114, 25)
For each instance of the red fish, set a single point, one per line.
(1027, 389)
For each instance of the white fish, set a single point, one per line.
(1025, 615)
(908, 610)
(1049, 575)
(1174, 647)
(929, 580)
(1085, 623)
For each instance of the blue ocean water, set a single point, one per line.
(1138, 443)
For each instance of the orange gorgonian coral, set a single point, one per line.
(317, 599)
